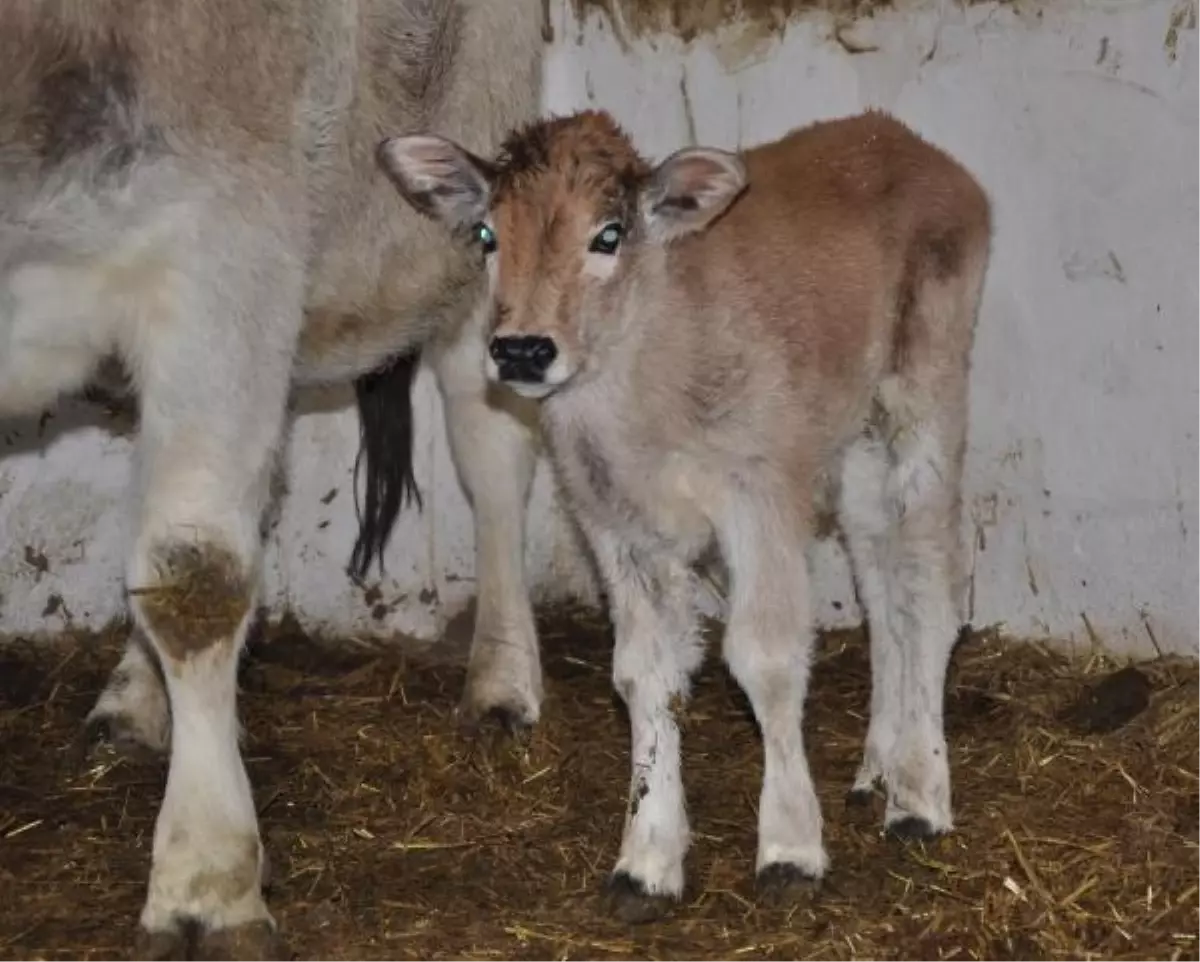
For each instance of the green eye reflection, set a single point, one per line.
(486, 237)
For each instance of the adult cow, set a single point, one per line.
(191, 186)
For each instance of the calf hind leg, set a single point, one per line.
(868, 529)
(900, 513)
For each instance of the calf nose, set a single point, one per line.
(523, 357)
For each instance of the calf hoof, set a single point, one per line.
(782, 883)
(251, 941)
(859, 797)
(627, 899)
(912, 827)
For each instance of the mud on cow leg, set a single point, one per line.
(193, 600)
(132, 715)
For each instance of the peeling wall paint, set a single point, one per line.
(687, 20)
(1081, 505)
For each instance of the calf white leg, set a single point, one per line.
(657, 650)
(867, 527)
(493, 446)
(214, 372)
(768, 647)
(899, 506)
(922, 494)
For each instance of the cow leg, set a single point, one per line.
(658, 648)
(214, 375)
(768, 648)
(133, 714)
(493, 447)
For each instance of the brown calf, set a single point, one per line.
(710, 337)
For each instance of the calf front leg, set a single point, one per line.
(493, 446)
(768, 647)
(657, 650)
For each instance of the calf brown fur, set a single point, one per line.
(711, 338)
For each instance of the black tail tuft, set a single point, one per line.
(385, 416)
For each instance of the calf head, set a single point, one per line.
(566, 219)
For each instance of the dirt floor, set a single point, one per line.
(393, 836)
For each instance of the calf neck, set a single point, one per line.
(709, 338)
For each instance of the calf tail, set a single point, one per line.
(385, 453)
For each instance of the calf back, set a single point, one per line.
(812, 277)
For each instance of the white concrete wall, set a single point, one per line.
(1081, 120)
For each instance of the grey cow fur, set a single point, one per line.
(191, 186)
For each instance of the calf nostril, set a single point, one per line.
(525, 356)
(543, 351)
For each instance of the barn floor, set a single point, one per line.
(392, 836)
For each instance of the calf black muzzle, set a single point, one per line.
(524, 357)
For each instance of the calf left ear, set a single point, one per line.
(438, 178)
(689, 189)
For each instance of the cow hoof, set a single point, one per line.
(122, 736)
(782, 883)
(627, 899)
(911, 827)
(511, 720)
(503, 685)
(251, 941)
(162, 944)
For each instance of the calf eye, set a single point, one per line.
(607, 240)
(486, 237)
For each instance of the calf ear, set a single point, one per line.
(689, 189)
(438, 178)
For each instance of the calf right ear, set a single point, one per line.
(438, 178)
